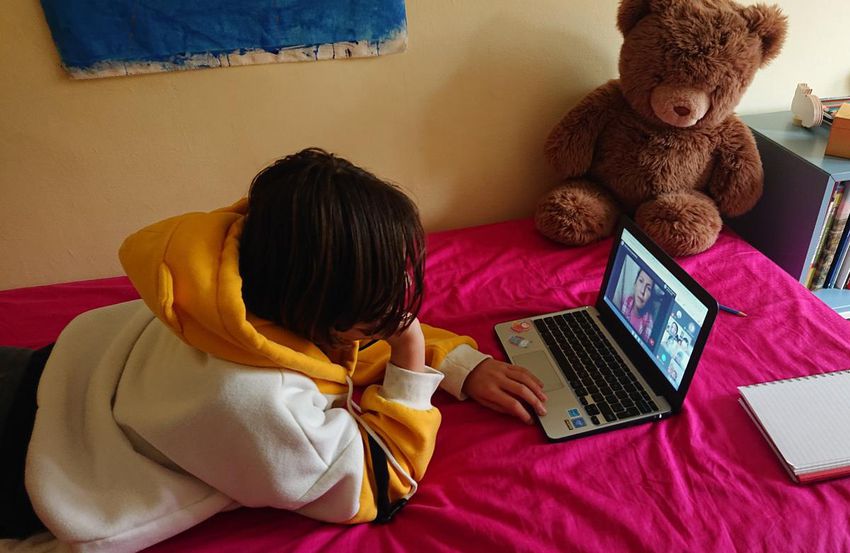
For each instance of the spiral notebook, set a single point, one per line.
(806, 421)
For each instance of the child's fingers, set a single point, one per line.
(509, 406)
(527, 373)
(531, 381)
(521, 391)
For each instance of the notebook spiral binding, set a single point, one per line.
(799, 378)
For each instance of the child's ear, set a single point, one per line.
(770, 25)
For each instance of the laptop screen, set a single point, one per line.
(655, 307)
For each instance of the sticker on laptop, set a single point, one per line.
(519, 341)
(573, 413)
(521, 326)
(578, 422)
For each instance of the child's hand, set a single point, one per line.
(408, 348)
(503, 388)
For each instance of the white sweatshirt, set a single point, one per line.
(139, 436)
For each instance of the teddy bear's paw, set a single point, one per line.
(576, 214)
(684, 223)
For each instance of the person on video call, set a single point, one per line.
(672, 335)
(635, 307)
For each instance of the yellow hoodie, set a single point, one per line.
(186, 270)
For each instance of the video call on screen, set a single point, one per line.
(660, 313)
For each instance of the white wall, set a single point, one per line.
(458, 120)
(816, 52)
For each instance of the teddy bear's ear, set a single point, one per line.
(629, 13)
(770, 25)
(632, 11)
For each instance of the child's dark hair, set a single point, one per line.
(327, 245)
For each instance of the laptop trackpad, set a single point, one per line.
(541, 367)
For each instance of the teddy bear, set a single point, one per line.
(662, 143)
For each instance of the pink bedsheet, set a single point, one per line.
(702, 480)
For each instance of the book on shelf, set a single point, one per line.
(843, 270)
(817, 258)
(806, 421)
(832, 241)
(833, 278)
(830, 106)
(837, 276)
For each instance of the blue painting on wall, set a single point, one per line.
(103, 38)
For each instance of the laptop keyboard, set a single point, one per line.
(597, 375)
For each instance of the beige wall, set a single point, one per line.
(458, 120)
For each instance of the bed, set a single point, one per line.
(702, 480)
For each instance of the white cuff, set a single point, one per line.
(412, 389)
(457, 365)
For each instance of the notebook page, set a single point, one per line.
(807, 418)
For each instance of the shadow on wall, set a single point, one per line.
(487, 124)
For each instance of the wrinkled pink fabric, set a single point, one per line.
(703, 480)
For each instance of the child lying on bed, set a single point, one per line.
(230, 382)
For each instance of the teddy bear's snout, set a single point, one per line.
(679, 106)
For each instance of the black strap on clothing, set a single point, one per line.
(367, 344)
(386, 510)
(17, 518)
(13, 367)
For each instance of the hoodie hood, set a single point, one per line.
(186, 269)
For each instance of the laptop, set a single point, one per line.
(627, 360)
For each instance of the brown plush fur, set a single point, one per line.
(662, 142)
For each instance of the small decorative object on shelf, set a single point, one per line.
(806, 107)
(812, 111)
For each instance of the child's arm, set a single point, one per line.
(407, 348)
(494, 384)
(441, 347)
(504, 388)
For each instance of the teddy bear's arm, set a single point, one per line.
(570, 145)
(737, 178)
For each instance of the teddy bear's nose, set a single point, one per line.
(682, 111)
